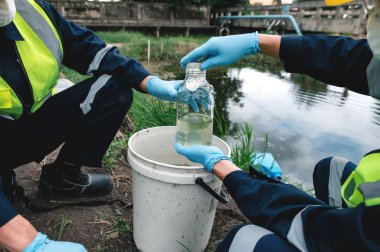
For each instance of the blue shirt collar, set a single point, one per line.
(10, 32)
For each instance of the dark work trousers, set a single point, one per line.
(84, 117)
(328, 177)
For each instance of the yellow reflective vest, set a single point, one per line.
(40, 54)
(363, 185)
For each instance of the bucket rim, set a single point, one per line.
(195, 167)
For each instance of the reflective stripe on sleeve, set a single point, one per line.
(247, 237)
(337, 165)
(295, 235)
(98, 59)
(98, 84)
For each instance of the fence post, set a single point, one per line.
(161, 47)
(148, 51)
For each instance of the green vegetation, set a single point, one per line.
(242, 152)
(61, 226)
(120, 225)
(167, 48)
(147, 112)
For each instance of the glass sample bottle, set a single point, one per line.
(195, 108)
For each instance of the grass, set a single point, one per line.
(242, 152)
(115, 151)
(167, 48)
(299, 185)
(147, 112)
(120, 225)
(62, 225)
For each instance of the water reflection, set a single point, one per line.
(305, 120)
(228, 92)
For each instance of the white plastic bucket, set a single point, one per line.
(170, 211)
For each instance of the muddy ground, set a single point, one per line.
(102, 228)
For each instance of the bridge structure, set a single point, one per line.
(134, 14)
(311, 17)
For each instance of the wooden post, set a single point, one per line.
(148, 51)
(157, 32)
(187, 32)
(161, 47)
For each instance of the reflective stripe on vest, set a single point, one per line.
(363, 185)
(371, 193)
(40, 53)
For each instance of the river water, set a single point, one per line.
(305, 120)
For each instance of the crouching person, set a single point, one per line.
(285, 218)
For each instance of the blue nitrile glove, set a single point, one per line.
(163, 90)
(221, 51)
(42, 244)
(203, 154)
(266, 164)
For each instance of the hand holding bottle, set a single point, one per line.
(205, 155)
(164, 90)
(220, 51)
(43, 244)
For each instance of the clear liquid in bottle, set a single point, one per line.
(194, 128)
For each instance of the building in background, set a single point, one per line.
(268, 2)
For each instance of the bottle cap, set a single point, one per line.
(194, 67)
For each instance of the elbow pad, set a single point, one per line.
(7, 12)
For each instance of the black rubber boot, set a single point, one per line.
(60, 182)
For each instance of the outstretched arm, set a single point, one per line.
(340, 61)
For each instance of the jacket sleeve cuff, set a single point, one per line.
(290, 48)
(236, 179)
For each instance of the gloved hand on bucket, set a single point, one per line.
(221, 51)
(163, 90)
(43, 244)
(208, 156)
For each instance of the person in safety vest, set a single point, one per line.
(345, 214)
(35, 43)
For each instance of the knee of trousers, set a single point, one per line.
(322, 168)
(108, 92)
(120, 92)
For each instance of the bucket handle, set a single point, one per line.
(222, 197)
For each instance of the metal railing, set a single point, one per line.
(274, 18)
